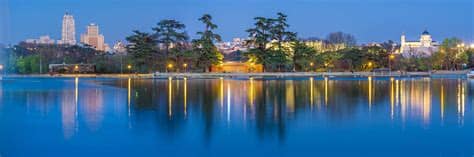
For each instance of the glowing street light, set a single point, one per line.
(129, 67)
(392, 57)
(169, 67)
(185, 66)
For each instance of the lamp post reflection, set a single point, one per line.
(129, 95)
(185, 96)
(311, 92)
(170, 84)
(326, 80)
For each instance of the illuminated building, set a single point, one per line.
(68, 33)
(424, 47)
(93, 38)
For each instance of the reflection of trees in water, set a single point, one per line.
(273, 104)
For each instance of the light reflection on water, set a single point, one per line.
(216, 114)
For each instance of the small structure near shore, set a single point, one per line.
(237, 67)
(72, 68)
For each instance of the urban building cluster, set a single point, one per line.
(425, 46)
(91, 37)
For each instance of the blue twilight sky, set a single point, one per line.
(368, 20)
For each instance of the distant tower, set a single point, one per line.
(426, 39)
(68, 34)
(93, 38)
(402, 42)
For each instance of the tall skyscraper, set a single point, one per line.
(68, 34)
(93, 38)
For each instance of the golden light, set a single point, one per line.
(129, 66)
(185, 65)
(252, 64)
(472, 46)
(311, 64)
(369, 64)
(76, 67)
(392, 56)
(170, 65)
(326, 64)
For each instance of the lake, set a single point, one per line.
(237, 117)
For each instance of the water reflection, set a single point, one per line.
(270, 110)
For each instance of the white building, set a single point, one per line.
(237, 44)
(119, 48)
(68, 33)
(42, 40)
(424, 47)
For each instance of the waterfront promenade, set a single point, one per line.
(255, 75)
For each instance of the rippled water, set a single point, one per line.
(237, 117)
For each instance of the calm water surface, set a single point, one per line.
(237, 117)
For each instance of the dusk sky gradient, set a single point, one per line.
(368, 20)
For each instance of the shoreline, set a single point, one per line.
(435, 74)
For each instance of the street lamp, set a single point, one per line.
(129, 67)
(311, 66)
(185, 67)
(76, 68)
(390, 58)
(170, 66)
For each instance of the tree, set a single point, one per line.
(280, 34)
(452, 54)
(259, 38)
(268, 37)
(340, 38)
(142, 48)
(171, 35)
(303, 56)
(204, 46)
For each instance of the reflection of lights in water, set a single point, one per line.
(129, 94)
(326, 90)
(426, 100)
(442, 101)
(392, 98)
(460, 100)
(403, 100)
(370, 92)
(251, 92)
(228, 101)
(221, 84)
(169, 96)
(311, 92)
(290, 97)
(76, 93)
(185, 96)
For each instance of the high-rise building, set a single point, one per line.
(68, 34)
(93, 38)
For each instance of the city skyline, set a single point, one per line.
(233, 18)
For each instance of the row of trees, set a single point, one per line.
(167, 48)
(271, 43)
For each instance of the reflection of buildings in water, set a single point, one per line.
(69, 113)
(415, 99)
(92, 107)
(460, 90)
